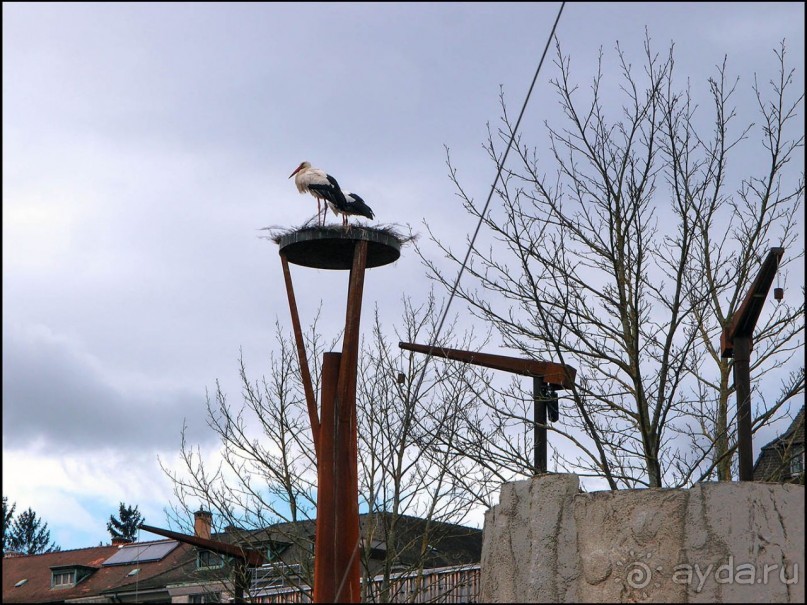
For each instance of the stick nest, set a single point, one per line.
(276, 233)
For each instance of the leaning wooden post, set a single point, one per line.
(736, 341)
(305, 374)
(336, 548)
(347, 571)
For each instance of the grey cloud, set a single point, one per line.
(55, 393)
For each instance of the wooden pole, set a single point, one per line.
(334, 427)
(348, 569)
(305, 374)
(736, 341)
(539, 411)
(337, 572)
(742, 382)
(325, 544)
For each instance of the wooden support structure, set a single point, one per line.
(547, 377)
(336, 560)
(736, 341)
(244, 557)
(334, 428)
(305, 373)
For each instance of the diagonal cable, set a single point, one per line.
(487, 204)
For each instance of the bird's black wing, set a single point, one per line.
(331, 192)
(356, 205)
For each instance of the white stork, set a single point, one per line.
(354, 206)
(319, 184)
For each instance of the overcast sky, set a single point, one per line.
(145, 145)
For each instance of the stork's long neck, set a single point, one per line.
(298, 180)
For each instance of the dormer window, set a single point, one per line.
(67, 576)
(207, 559)
(63, 579)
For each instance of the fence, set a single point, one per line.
(459, 584)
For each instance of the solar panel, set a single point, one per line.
(141, 553)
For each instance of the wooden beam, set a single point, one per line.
(557, 375)
(248, 555)
(305, 373)
(745, 319)
(736, 341)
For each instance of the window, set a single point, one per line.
(206, 597)
(275, 549)
(208, 559)
(797, 462)
(63, 579)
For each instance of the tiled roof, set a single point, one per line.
(37, 570)
(448, 544)
(771, 464)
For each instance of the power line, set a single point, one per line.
(476, 232)
(487, 203)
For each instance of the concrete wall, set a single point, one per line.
(715, 543)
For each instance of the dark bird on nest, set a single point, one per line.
(354, 206)
(321, 185)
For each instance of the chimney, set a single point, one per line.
(202, 522)
(120, 541)
(13, 553)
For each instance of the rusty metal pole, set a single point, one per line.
(325, 580)
(539, 411)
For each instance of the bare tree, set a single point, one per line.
(622, 250)
(265, 474)
(408, 407)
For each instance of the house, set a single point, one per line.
(782, 460)
(428, 561)
(402, 557)
(102, 574)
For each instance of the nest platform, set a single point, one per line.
(333, 247)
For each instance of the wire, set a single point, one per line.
(473, 239)
(487, 204)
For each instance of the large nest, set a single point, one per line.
(334, 246)
(277, 233)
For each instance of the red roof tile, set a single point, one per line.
(37, 570)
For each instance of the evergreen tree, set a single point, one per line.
(29, 535)
(8, 515)
(127, 523)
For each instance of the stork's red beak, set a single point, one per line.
(296, 171)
